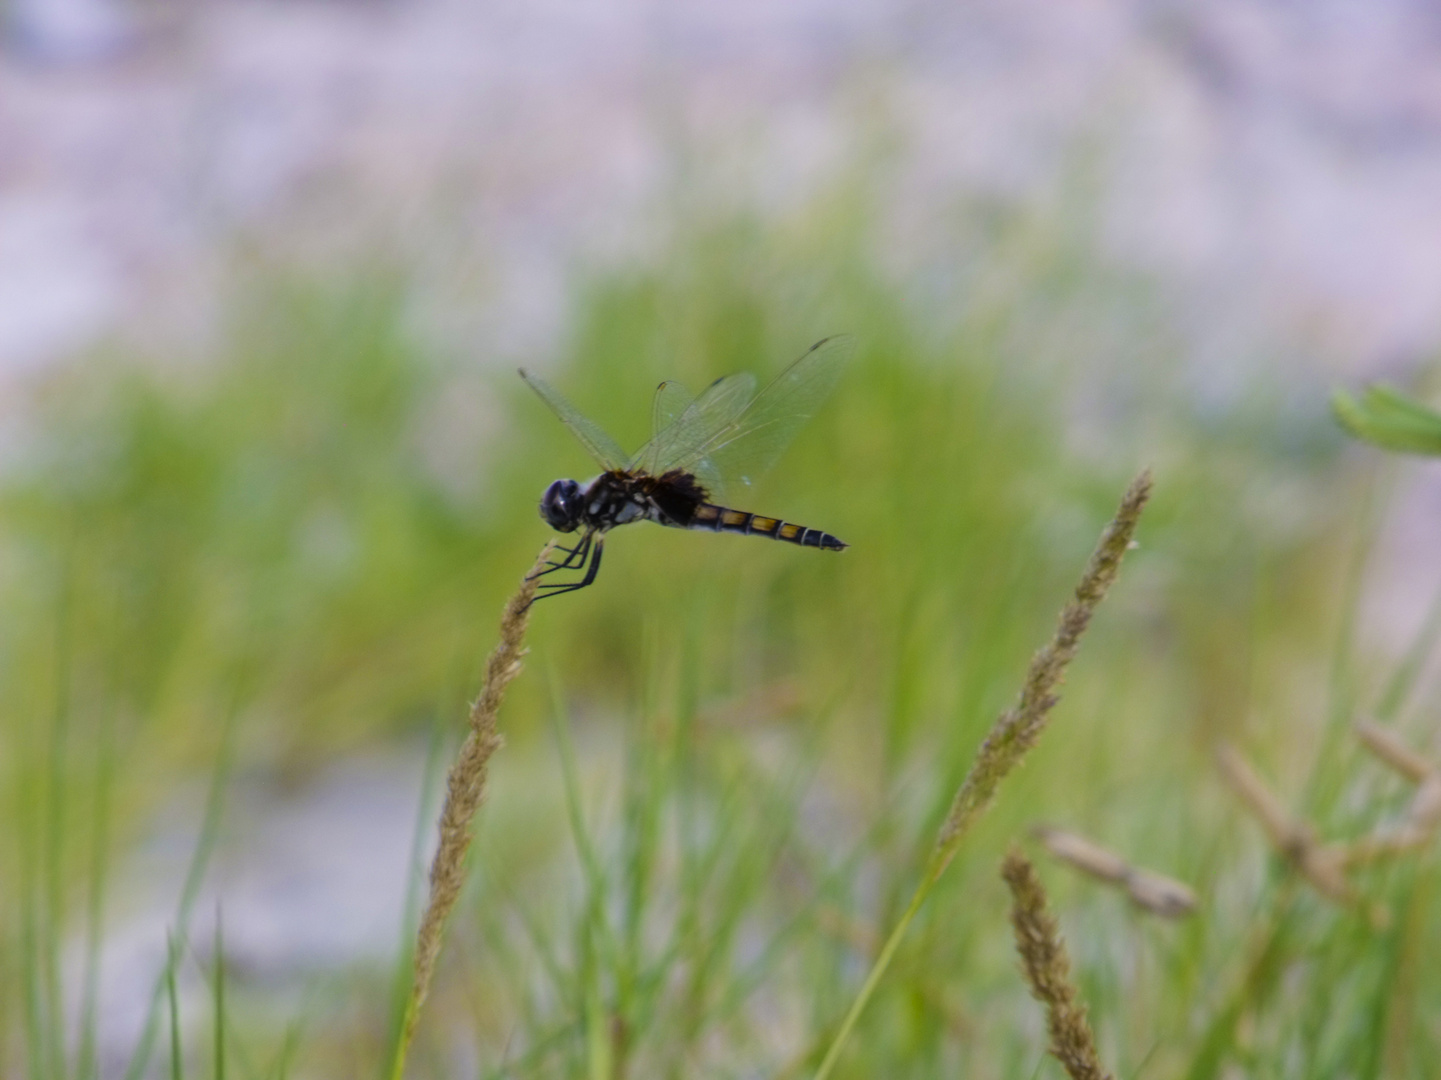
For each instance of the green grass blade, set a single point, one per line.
(1412, 664)
(172, 997)
(597, 880)
(288, 1049)
(86, 1064)
(31, 933)
(218, 989)
(415, 884)
(194, 877)
(1387, 418)
(56, 818)
(873, 978)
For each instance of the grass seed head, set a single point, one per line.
(464, 793)
(1019, 727)
(1048, 971)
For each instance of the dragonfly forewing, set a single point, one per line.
(717, 408)
(606, 451)
(739, 452)
(672, 399)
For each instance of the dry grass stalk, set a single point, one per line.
(1149, 891)
(1325, 865)
(1320, 864)
(1017, 729)
(1269, 810)
(1385, 745)
(1048, 971)
(1014, 733)
(1423, 816)
(1416, 831)
(1424, 813)
(464, 793)
(1088, 857)
(1159, 894)
(1385, 845)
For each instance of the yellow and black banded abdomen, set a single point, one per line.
(724, 519)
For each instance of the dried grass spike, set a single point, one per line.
(1159, 894)
(1081, 853)
(1048, 971)
(1149, 891)
(1323, 865)
(1017, 729)
(1384, 743)
(464, 793)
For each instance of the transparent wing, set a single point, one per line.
(739, 452)
(671, 400)
(710, 478)
(602, 447)
(715, 410)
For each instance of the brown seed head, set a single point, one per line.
(1048, 971)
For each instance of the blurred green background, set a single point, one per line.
(226, 579)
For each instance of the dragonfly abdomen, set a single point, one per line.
(724, 519)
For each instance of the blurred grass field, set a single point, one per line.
(727, 761)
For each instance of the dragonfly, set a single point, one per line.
(701, 449)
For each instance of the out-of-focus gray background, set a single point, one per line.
(1278, 163)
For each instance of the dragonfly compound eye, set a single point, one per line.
(561, 505)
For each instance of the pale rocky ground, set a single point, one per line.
(1281, 164)
(1281, 161)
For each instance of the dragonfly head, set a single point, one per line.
(561, 505)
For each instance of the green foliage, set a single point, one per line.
(1389, 419)
(727, 761)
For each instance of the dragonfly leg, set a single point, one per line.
(571, 586)
(574, 556)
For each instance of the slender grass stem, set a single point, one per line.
(402, 976)
(219, 1068)
(873, 978)
(1011, 737)
(172, 958)
(86, 1065)
(194, 878)
(1413, 663)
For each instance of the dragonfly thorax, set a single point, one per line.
(563, 505)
